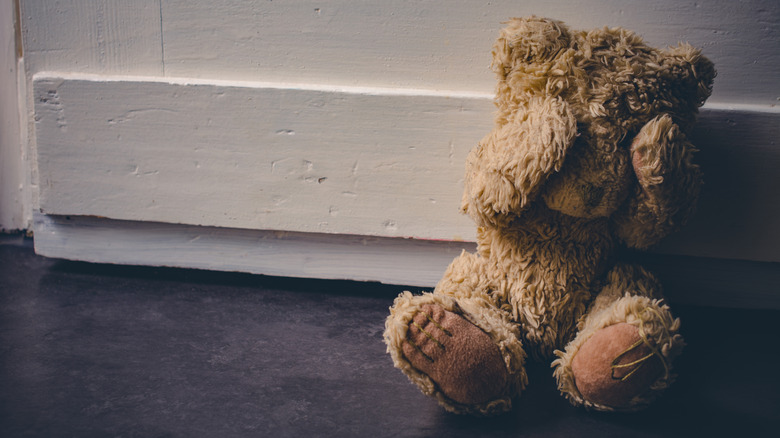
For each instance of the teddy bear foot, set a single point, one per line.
(465, 353)
(460, 358)
(622, 357)
(615, 365)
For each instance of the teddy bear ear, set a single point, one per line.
(694, 69)
(530, 40)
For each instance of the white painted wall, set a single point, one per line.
(229, 114)
(430, 44)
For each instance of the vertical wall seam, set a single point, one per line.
(18, 29)
(162, 39)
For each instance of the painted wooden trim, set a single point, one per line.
(340, 160)
(290, 254)
(404, 262)
(246, 155)
(15, 191)
(705, 281)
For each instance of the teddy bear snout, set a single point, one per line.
(578, 199)
(591, 195)
(593, 183)
(588, 191)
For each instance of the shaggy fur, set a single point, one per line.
(589, 152)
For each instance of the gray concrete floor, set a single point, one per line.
(96, 350)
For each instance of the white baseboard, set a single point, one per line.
(339, 160)
(406, 262)
(281, 253)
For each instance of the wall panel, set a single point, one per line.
(338, 160)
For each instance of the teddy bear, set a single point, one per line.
(588, 154)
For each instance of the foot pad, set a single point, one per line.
(615, 365)
(458, 356)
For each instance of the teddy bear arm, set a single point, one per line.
(505, 172)
(668, 184)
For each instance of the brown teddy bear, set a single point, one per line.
(588, 152)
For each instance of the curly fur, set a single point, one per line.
(588, 152)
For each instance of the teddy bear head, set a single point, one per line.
(577, 101)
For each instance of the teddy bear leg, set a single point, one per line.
(462, 351)
(621, 358)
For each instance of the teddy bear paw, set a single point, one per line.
(458, 356)
(615, 365)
